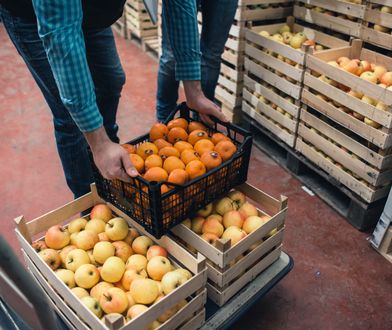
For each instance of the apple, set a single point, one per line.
(247, 210)
(278, 38)
(233, 218)
(284, 28)
(156, 250)
(168, 313)
(101, 211)
(97, 290)
(386, 78)
(342, 61)
(114, 300)
(386, 9)
(382, 106)
(103, 237)
(131, 301)
(64, 252)
(141, 244)
(102, 251)
(380, 28)
(76, 225)
(368, 100)
(79, 292)
(136, 310)
(213, 226)
(92, 304)
(67, 276)
(119, 285)
(86, 276)
(210, 238)
(369, 76)
(116, 229)
(72, 238)
(122, 250)
(132, 234)
(334, 63)
(252, 223)
(206, 211)
(287, 36)
(112, 269)
(237, 197)
(86, 239)
(57, 237)
(144, 291)
(51, 258)
(235, 234)
(92, 259)
(352, 67)
(254, 245)
(365, 65)
(39, 246)
(130, 275)
(371, 123)
(356, 94)
(187, 223)
(136, 261)
(197, 224)
(224, 205)
(76, 258)
(96, 225)
(172, 280)
(216, 217)
(379, 70)
(184, 272)
(297, 40)
(157, 267)
(159, 288)
(264, 34)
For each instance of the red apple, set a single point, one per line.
(233, 218)
(114, 300)
(156, 250)
(101, 211)
(57, 237)
(386, 78)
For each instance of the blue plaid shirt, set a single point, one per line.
(60, 28)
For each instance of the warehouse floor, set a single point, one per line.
(338, 281)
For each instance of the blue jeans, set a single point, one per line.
(108, 77)
(218, 17)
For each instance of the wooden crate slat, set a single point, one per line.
(341, 7)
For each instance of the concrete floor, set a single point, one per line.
(338, 281)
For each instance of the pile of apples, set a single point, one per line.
(231, 217)
(333, 13)
(385, 10)
(110, 267)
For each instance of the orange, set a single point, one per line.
(218, 137)
(129, 148)
(171, 163)
(226, 149)
(158, 131)
(153, 161)
(164, 189)
(161, 143)
(178, 122)
(197, 135)
(177, 134)
(138, 162)
(188, 155)
(194, 125)
(146, 149)
(168, 151)
(156, 174)
(203, 145)
(210, 159)
(182, 145)
(195, 168)
(178, 176)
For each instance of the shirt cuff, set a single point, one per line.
(188, 70)
(89, 119)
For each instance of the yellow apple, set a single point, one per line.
(231, 218)
(103, 237)
(157, 267)
(64, 252)
(116, 229)
(57, 237)
(76, 225)
(86, 239)
(187, 223)
(130, 275)
(141, 244)
(371, 123)
(247, 210)
(51, 258)
(137, 262)
(206, 211)
(101, 211)
(213, 226)
(102, 251)
(122, 250)
(79, 292)
(92, 304)
(136, 310)
(234, 233)
(197, 224)
(67, 276)
(132, 234)
(252, 223)
(217, 217)
(144, 291)
(156, 250)
(86, 276)
(72, 238)
(96, 225)
(172, 280)
(224, 205)
(97, 290)
(186, 273)
(113, 269)
(76, 258)
(114, 300)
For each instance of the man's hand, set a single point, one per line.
(196, 100)
(111, 159)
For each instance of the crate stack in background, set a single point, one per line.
(230, 83)
(120, 26)
(140, 26)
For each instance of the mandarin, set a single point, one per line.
(197, 135)
(177, 134)
(146, 149)
(211, 159)
(161, 143)
(182, 145)
(171, 163)
(178, 176)
(188, 155)
(178, 122)
(218, 137)
(195, 168)
(129, 148)
(194, 125)
(137, 161)
(203, 145)
(226, 149)
(153, 161)
(158, 131)
(168, 151)
(156, 174)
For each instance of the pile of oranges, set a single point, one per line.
(179, 152)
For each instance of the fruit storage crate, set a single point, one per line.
(274, 71)
(230, 268)
(364, 163)
(156, 212)
(373, 15)
(78, 316)
(138, 20)
(337, 15)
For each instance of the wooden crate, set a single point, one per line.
(385, 248)
(120, 26)
(231, 267)
(76, 314)
(373, 15)
(138, 21)
(261, 10)
(337, 15)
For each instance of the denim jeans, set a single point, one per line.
(108, 77)
(218, 17)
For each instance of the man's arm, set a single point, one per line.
(181, 21)
(60, 28)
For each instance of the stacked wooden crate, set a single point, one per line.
(120, 26)
(346, 121)
(230, 83)
(274, 75)
(140, 26)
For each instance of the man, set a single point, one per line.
(217, 16)
(69, 48)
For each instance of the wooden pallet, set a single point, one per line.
(359, 213)
(138, 21)
(373, 16)
(79, 316)
(231, 267)
(120, 26)
(336, 15)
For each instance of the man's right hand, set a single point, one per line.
(111, 159)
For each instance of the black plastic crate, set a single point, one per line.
(158, 213)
